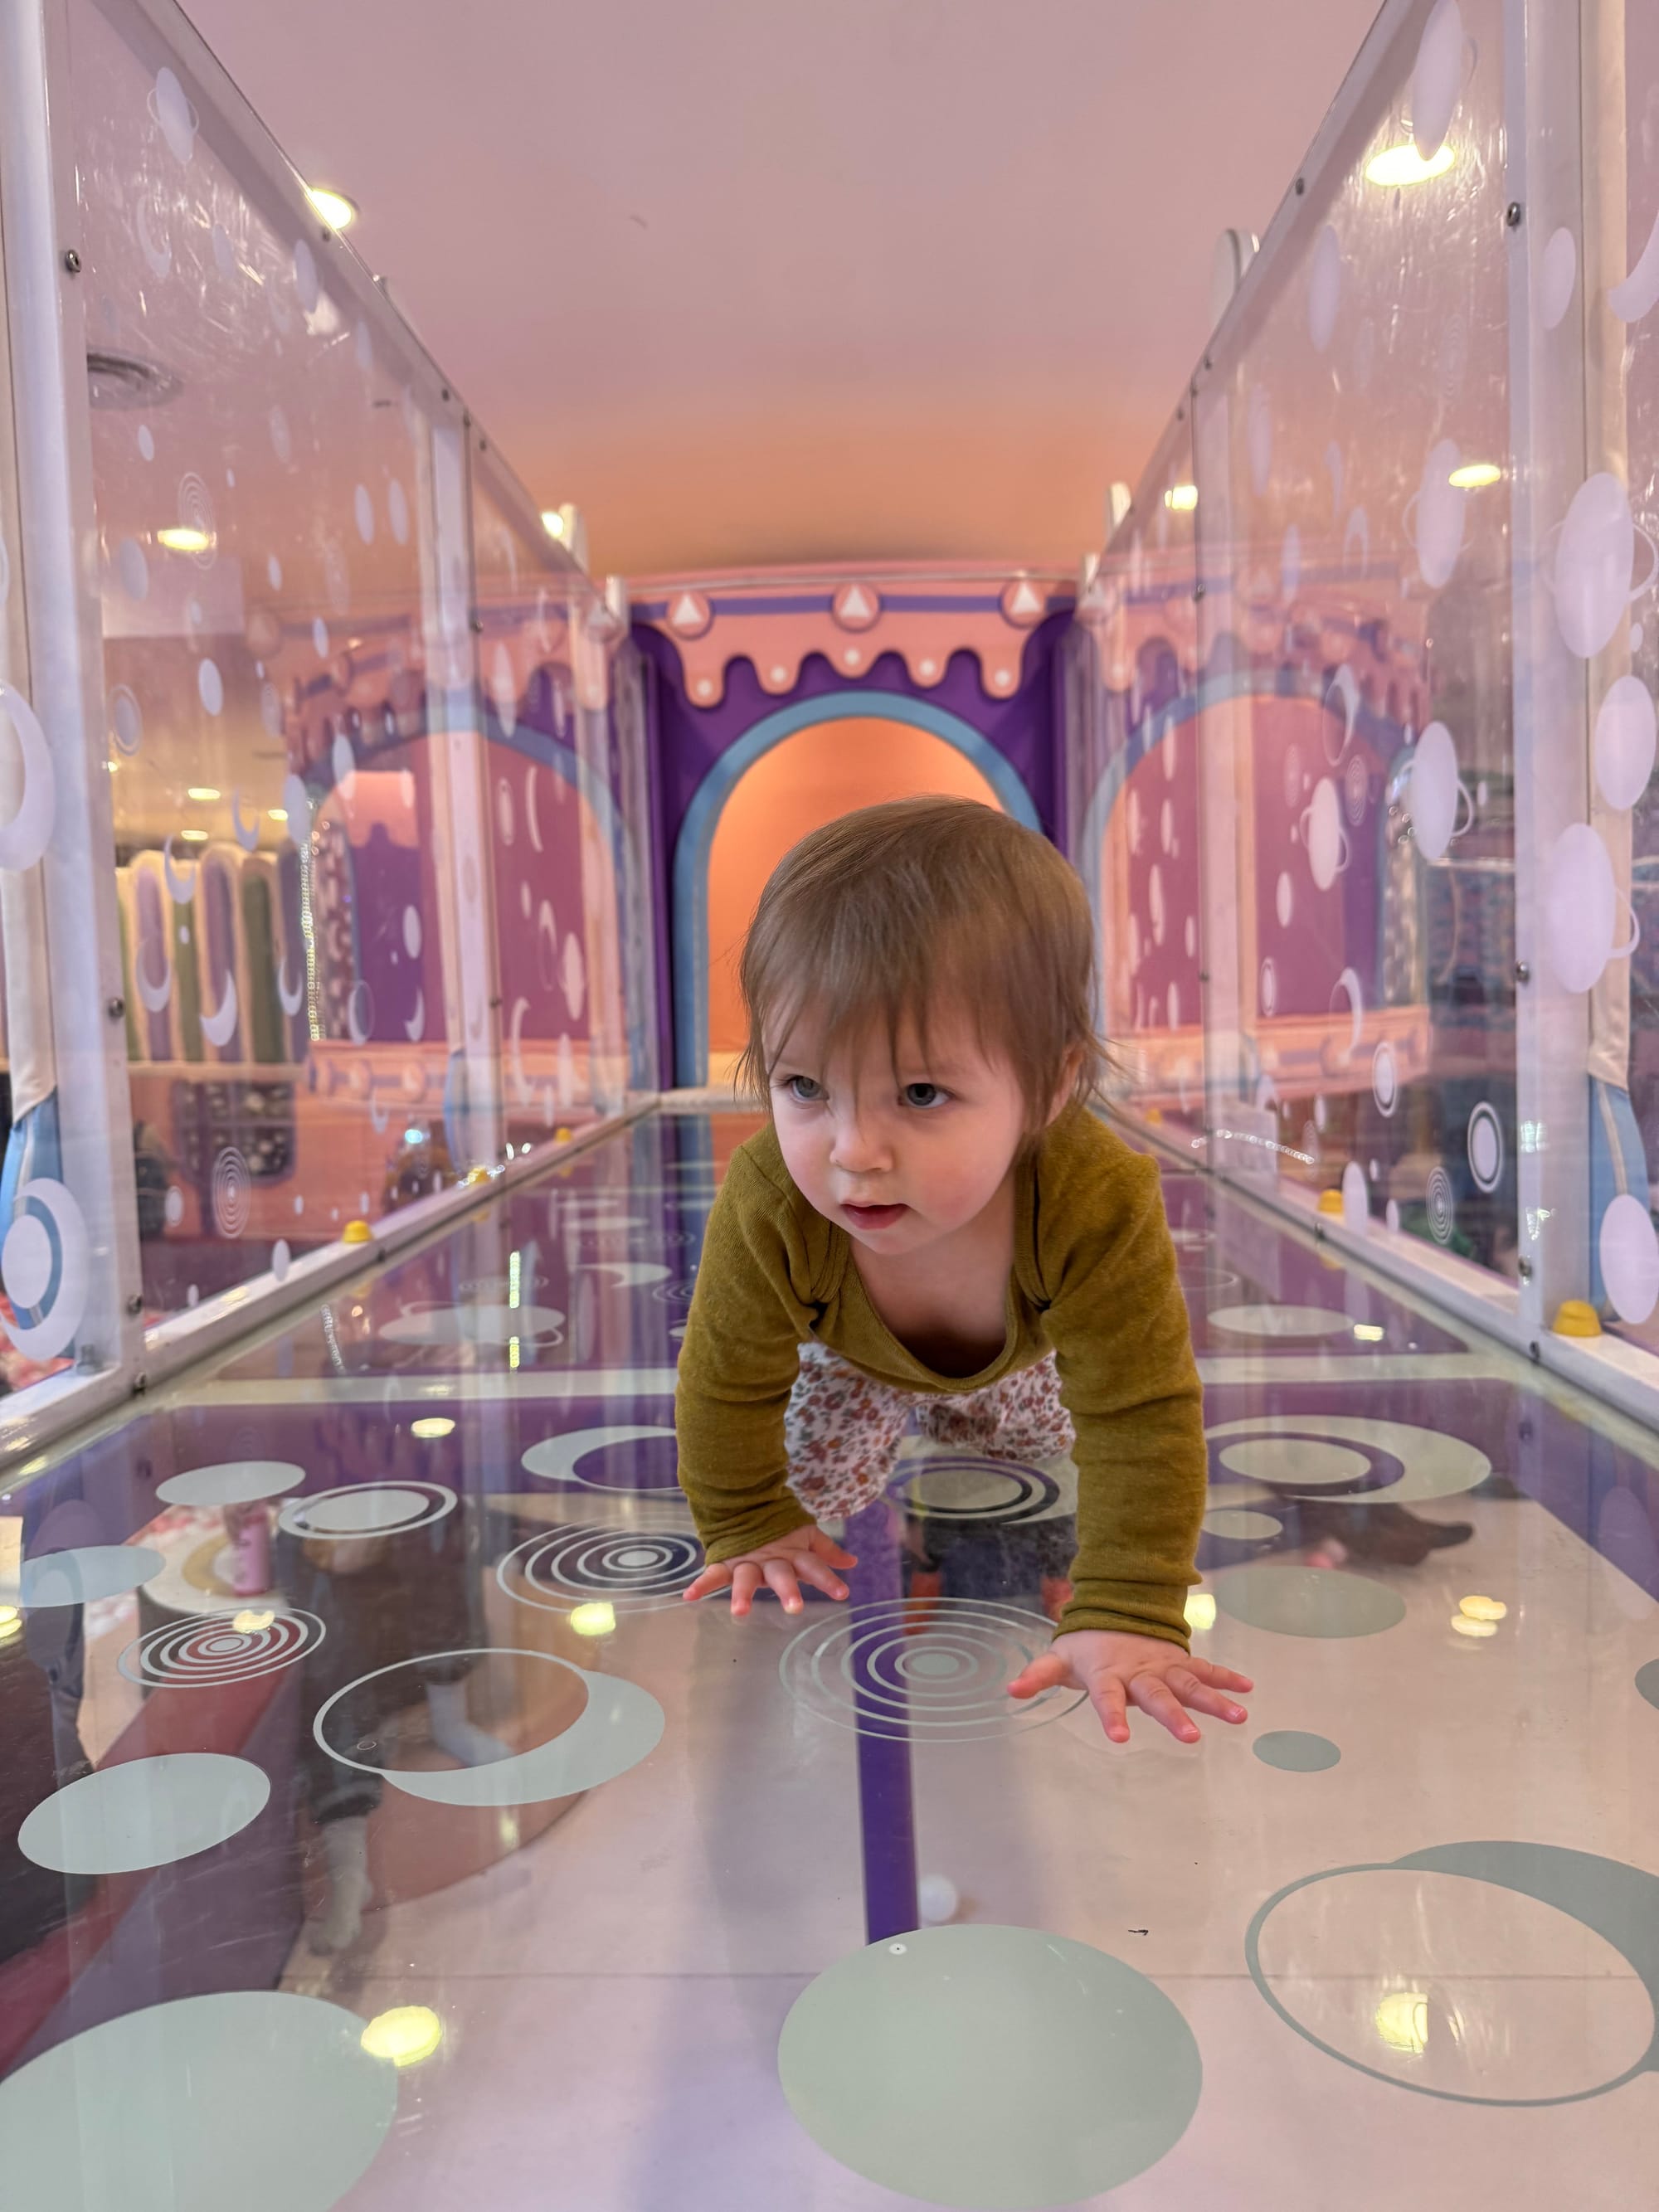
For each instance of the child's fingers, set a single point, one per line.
(1198, 1698)
(1108, 1699)
(1042, 1675)
(780, 1577)
(827, 1548)
(1220, 1677)
(713, 1577)
(746, 1581)
(821, 1574)
(1155, 1697)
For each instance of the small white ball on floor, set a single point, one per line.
(936, 1894)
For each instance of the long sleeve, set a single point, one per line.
(1123, 1353)
(750, 1313)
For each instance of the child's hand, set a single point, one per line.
(807, 1552)
(1120, 1671)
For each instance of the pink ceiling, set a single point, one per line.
(759, 280)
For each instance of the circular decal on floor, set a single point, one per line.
(619, 1725)
(635, 1570)
(1293, 1600)
(144, 1813)
(232, 1482)
(153, 2111)
(368, 1509)
(85, 1574)
(219, 1647)
(968, 1488)
(936, 1671)
(1001, 2038)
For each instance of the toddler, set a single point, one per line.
(933, 1220)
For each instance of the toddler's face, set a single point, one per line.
(923, 1153)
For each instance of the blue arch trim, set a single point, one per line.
(697, 838)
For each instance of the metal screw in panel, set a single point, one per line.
(477, 625)
(1523, 1268)
(1523, 973)
(1512, 214)
(1300, 186)
(115, 1008)
(135, 1304)
(1198, 591)
(72, 262)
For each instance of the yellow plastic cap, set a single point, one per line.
(474, 1176)
(1330, 1201)
(1576, 1317)
(561, 1136)
(356, 1232)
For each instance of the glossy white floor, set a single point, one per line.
(1395, 1942)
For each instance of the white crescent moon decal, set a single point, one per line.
(218, 1028)
(530, 822)
(292, 1001)
(46, 1338)
(414, 1026)
(526, 1090)
(23, 838)
(180, 891)
(247, 833)
(547, 930)
(1346, 682)
(1635, 296)
(153, 996)
(354, 1028)
(556, 1458)
(1348, 980)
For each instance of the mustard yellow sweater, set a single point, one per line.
(1093, 1281)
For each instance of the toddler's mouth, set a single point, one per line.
(875, 1217)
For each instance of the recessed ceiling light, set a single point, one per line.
(1474, 474)
(1183, 498)
(180, 537)
(336, 209)
(205, 792)
(431, 1425)
(276, 813)
(1404, 164)
(194, 837)
(552, 522)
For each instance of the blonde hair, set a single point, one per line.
(887, 910)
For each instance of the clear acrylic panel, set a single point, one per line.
(263, 466)
(1138, 825)
(1621, 318)
(545, 641)
(1353, 448)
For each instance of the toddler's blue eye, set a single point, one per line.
(910, 1088)
(790, 1091)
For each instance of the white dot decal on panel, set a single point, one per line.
(396, 510)
(1436, 515)
(320, 638)
(1385, 1079)
(1283, 900)
(1166, 826)
(211, 686)
(1485, 1146)
(172, 111)
(1356, 1203)
(1191, 938)
(1324, 836)
(1324, 288)
(1155, 902)
(1629, 1252)
(1557, 275)
(1580, 907)
(1435, 791)
(146, 442)
(1443, 57)
(363, 511)
(1595, 559)
(1269, 987)
(1624, 741)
